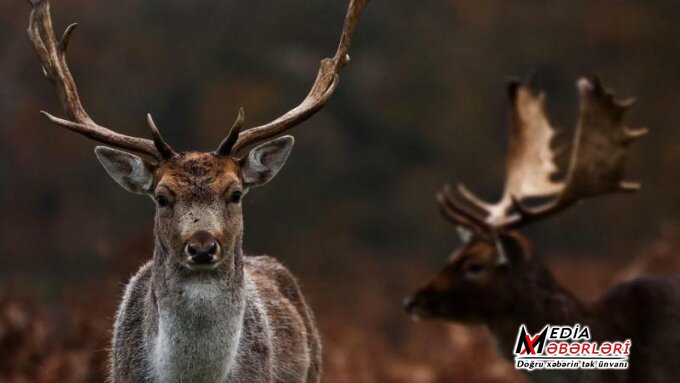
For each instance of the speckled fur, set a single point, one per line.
(244, 321)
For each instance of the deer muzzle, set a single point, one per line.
(202, 249)
(419, 306)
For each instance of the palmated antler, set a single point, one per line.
(321, 91)
(52, 54)
(530, 159)
(596, 165)
(598, 158)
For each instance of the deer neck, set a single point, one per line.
(537, 301)
(199, 319)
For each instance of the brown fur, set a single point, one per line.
(193, 173)
(523, 291)
(243, 319)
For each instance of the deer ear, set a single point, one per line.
(464, 234)
(130, 171)
(262, 163)
(516, 248)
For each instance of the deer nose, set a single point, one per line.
(409, 304)
(202, 248)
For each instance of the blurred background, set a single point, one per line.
(353, 213)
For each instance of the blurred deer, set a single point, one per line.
(496, 280)
(201, 311)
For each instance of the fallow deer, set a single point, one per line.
(496, 280)
(201, 311)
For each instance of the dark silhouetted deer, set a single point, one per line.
(201, 311)
(496, 280)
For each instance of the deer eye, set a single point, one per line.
(235, 196)
(473, 269)
(162, 200)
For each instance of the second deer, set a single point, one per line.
(497, 280)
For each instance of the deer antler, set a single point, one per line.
(458, 214)
(321, 91)
(530, 160)
(52, 55)
(600, 147)
(596, 165)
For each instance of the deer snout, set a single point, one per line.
(418, 306)
(409, 304)
(202, 249)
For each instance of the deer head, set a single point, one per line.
(495, 268)
(198, 195)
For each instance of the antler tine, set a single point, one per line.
(599, 151)
(450, 212)
(227, 144)
(163, 148)
(475, 201)
(52, 55)
(460, 208)
(321, 91)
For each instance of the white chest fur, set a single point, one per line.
(198, 335)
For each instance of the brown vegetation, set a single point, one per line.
(352, 213)
(368, 340)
